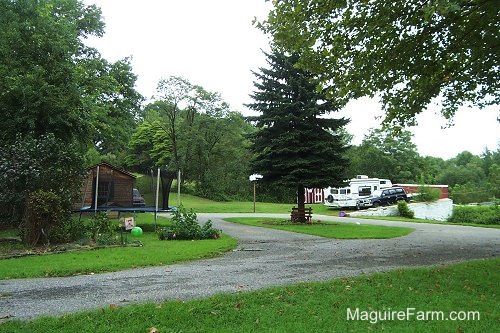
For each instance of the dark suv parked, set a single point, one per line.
(138, 199)
(384, 197)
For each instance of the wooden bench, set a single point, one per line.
(297, 216)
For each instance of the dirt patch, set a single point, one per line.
(288, 222)
(59, 248)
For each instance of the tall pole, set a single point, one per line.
(157, 193)
(96, 190)
(179, 188)
(254, 196)
(253, 178)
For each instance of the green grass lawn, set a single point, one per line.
(327, 229)
(312, 307)
(200, 205)
(154, 252)
(405, 219)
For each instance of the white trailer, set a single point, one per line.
(360, 187)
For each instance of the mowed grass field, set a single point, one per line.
(457, 298)
(326, 229)
(200, 205)
(470, 289)
(153, 252)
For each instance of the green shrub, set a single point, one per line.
(185, 226)
(29, 165)
(476, 214)
(101, 229)
(68, 230)
(427, 194)
(404, 210)
(166, 233)
(208, 231)
(43, 211)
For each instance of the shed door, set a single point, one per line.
(105, 192)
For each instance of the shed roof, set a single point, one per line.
(112, 167)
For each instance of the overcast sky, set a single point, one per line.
(213, 44)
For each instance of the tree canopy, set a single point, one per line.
(470, 178)
(56, 94)
(412, 52)
(295, 146)
(41, 42)
(190, 129)
(386, 155)
(53, 83)
(108, 91)
(31, 164)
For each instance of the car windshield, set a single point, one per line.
(377, 193)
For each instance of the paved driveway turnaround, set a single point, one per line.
(264, 257)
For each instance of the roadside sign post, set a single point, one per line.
(253, 178)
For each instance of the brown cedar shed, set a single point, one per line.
(114, 189)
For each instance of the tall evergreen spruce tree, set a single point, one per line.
(294, 147)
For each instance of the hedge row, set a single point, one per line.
(476, 214)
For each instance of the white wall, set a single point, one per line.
(439, 210)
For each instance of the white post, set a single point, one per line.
(179, 188)
(157, 189)
(157, 194)
(96, 190)
(254, 194)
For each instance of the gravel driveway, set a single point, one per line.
(263, 258)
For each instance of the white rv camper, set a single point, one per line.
(360, 187)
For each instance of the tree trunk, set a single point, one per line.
(301, 199)
(166, 183)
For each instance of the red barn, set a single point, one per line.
(314, 195)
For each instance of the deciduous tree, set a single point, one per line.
(56, 90)
(190, 129)
(409, 51)
(40, 46)
(391, 156)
